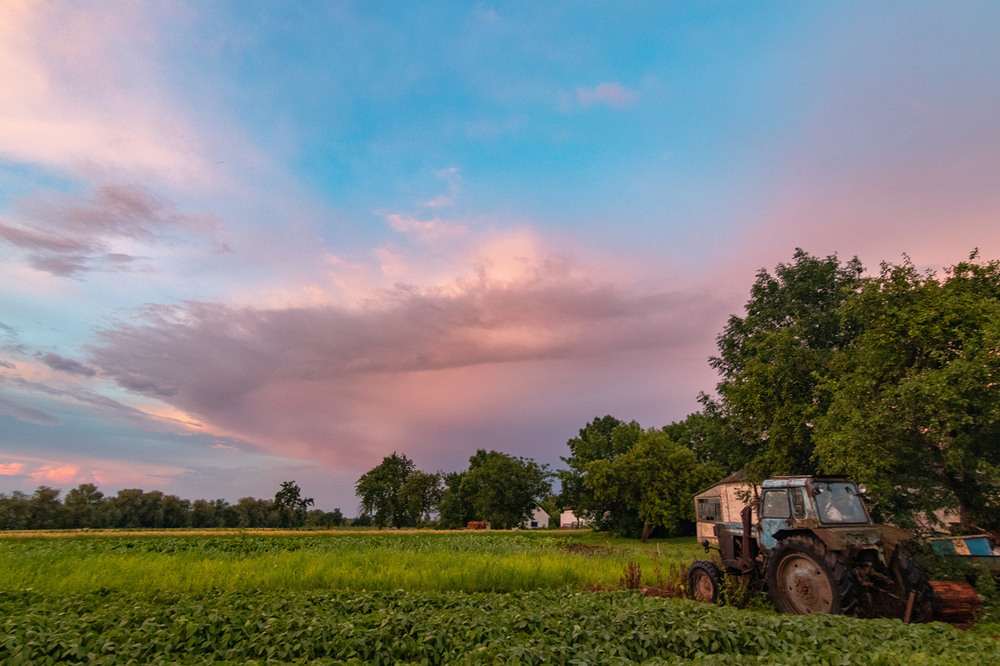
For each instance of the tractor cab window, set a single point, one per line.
(774, 504)
(799, 502)
(839, 503)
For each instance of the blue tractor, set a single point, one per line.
(814, 549)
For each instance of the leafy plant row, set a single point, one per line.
(260, 543)
(558, 627)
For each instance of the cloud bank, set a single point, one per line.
(341, 384)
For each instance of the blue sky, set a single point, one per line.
(250, 242)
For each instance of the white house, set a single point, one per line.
(539, 520)
(567, 519)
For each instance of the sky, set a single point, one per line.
(249, 242)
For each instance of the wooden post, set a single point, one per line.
(909, 607)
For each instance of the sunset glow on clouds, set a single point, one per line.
(245, 247)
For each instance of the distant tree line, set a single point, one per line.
(87, 507)
(497, 488)
(621, 477)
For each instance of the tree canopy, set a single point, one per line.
(498, 488)
(87, 507)
(380, 491)
(631, 481)
(654, 480)
(290, 506)
(888, 378)
(602, 439)
(914, 400)
(770, 360)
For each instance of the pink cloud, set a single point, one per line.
(60, 474)
(101, 472)
(612, 94)
(84, 92)
(11, 469)
(414, 365)
(68, 235)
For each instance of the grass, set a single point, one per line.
(343, 561)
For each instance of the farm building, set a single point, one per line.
(720, 503)
(567, 519)
(539, 520)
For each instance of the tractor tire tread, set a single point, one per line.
(714, 574)
(841, 576)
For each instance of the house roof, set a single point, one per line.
(735, 477)
(739, 477)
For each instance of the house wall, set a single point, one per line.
(568, 519)
(730, 506)
(944, 520)
(539, 520)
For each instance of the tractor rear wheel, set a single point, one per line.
(704, 582)
(908, 576)
(804, 577)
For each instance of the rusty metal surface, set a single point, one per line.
(868, 549)
(956, 603)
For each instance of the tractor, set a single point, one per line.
(815, 549)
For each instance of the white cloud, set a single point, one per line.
(612, 94)
(84, 93)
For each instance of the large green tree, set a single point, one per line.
(251, 512)
(46, 509)
(655, 479)
(772, 359)
(603, 439)
(914, 399)
(379, 490)
(455, 509)
(203, 514)
(289, 506)
(84, 507)
(15, 511)
(132, 507)
(503, 489)
(711, 437)
(420, 494)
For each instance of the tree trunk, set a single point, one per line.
(647, 529)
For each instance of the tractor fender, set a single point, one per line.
(830, 539)
(878, 539)
(892, 537)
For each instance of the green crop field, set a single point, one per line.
(369, 597)
(416, 561)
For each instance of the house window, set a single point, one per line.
(534, 523)
(709, 509)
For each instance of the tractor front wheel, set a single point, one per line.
(704, 582)
(804, 577)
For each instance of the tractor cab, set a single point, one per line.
(832, 505)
